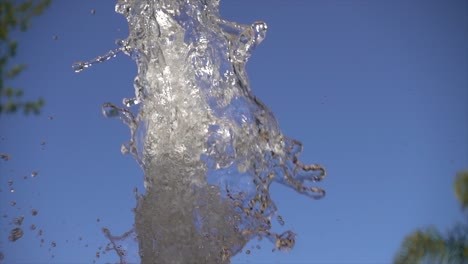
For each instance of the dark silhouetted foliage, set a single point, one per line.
(430, 246)
(15, 15)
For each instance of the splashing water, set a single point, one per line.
(209, 148)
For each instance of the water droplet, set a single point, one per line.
(34, 212)
(128, 102)
(15, 234)
(2, 256)
(121, 43)
(124, 149)
(79, 66)
(18, 220)
(50, 117)
(12, 190)
(33, 227)
(12, 203)
(53, 244)
(247, 252)
(93, 11)
(285, 241)
(98, 220)
(34, 174)
(5, 157)
(43, 143)
(280, 220)
(55, 37)
(109, 110)
(10, 182)
(260, 29)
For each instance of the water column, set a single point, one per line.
(209, 148)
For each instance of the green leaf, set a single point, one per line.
(11, 107)
(24, 6)
(15, 70)
(461, 188)
(40, 103)
(9, 92)
(3, 61)
(24, 25)
(41, 6)
(19, 93)
(12, 48)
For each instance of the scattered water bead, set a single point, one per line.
(33, 227)
(247, 252)
(34, 174)
(280, 220)
(79, 66)
(124, 149)
(121, 43)
(18, 220)
(93, 11)
(10, 182)
(128, 102)
(12, 203)
(15, 234)
(109, 110)
(34, 212)
(5, 156)
(12, 190)
(55, 37)
(53, 244)
(2, 256)
(285, 241)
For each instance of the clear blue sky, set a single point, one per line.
(377, 91)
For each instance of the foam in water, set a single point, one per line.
(209, 148)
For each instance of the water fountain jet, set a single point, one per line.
(209, 148)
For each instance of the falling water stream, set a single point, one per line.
(208, 147)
